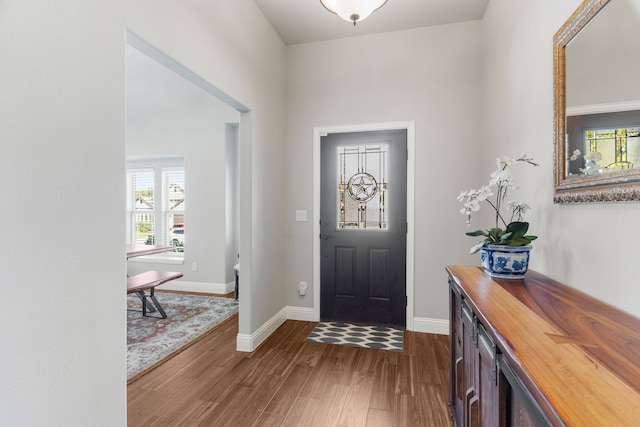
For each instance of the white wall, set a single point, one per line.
(518, 117)
(430, 75)
(62, 304)
(232, 200)
(232, 46)
(198, 135)
(62, 160)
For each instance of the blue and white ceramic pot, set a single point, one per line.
(507, 262)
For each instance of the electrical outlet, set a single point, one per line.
(194, 266)
(302, 288)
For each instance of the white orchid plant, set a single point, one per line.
(515, 231)
(591, 162)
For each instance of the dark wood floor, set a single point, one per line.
(289, 382)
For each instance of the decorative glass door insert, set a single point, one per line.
(362, 187)
(617, 148)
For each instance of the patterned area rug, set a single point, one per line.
(151, 340)
(354, 335)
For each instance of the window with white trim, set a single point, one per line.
(156, 206)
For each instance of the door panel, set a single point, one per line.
(363, 227)
(379, 277)
(345, 271)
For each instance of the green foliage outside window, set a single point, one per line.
(144, 227)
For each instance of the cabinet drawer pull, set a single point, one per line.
(459, 378)
(474, 412)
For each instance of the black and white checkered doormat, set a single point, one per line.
(354, 335)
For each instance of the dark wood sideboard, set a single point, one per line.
(536, 352)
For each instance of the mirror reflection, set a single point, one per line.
(597, 104)
(600, 143)
(602, 91)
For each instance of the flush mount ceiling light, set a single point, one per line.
(352, 10)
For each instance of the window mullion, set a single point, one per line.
(158, 209)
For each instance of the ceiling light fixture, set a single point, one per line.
(353, 10)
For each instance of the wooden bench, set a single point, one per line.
(148, 281)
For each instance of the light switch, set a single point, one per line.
(301, 216)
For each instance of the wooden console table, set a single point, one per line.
(535, 352)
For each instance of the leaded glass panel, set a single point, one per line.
(362, 187)
(616, 148)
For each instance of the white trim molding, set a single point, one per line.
(301, 313)
(158, 259)
(318, 132)
(614, 107)
(248, 343)
(211, 288)
(431, 326)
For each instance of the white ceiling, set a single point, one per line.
(304, 21)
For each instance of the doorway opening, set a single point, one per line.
(319, 133)
(191, 119)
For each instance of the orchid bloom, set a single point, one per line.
(595, 156)
(502, 179)
(505, 161)
(473, 198)
(484, 193)
(518, 209)
(523, 158)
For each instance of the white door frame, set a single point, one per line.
(318, 132)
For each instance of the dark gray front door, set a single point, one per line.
(363, 227)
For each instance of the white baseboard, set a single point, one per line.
(301, 313)
(431, 326)
(248, 343)
(214, 288)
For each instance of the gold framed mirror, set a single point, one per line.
(597, 104)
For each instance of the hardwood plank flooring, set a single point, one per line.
(290, 382)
